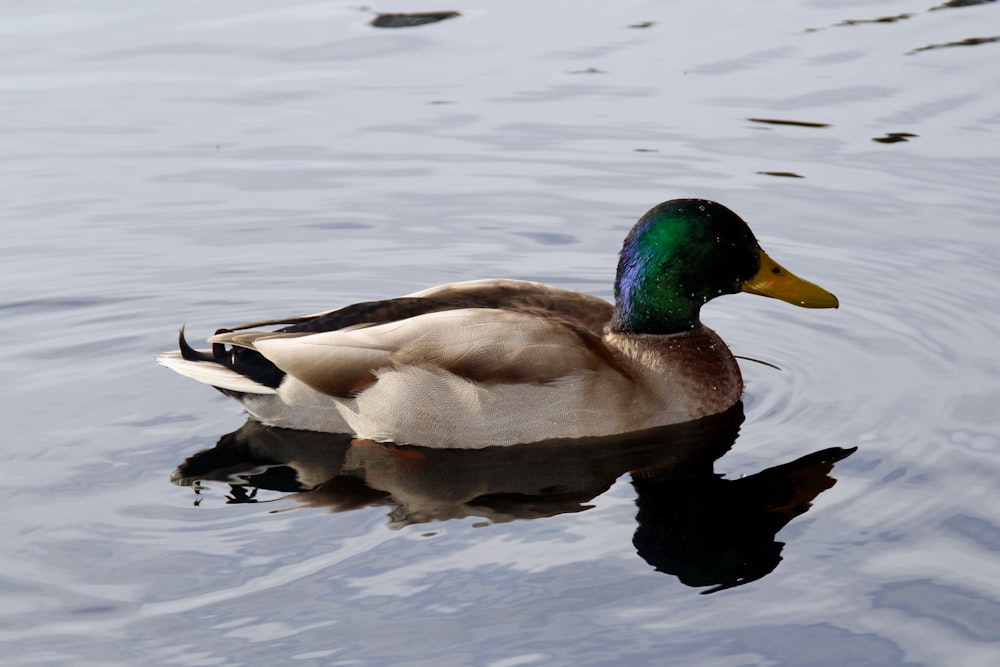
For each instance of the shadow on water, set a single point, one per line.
(691, 522)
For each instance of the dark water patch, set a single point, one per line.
(812, 644)
(267, 99)
(91, 349)
(58, 304)
(975, 529)
(179, 48)
(756, 60)
(958, 4)
(96, 609)
(58, 206)
(643, 24)
(781, 121)
(325, 52)
(589, 70)
(158, 420)
(261, 179)
(895, 137)
(971, 41)
(645, 150)
(783, 174)
(550, 238)
(967, 611)
(892, 476)
(340, 226)
(411, 20)
(882, 19)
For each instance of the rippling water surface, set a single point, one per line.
(213, 163)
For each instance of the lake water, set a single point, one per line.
(215, 163)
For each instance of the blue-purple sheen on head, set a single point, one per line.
(679, 255)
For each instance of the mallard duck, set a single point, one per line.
(502, 362)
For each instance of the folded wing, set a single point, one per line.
(487, 346)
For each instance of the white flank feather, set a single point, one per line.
(211, 373)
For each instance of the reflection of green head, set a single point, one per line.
(678, 256)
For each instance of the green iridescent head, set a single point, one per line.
(684, 252)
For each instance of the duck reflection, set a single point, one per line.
(692, 523)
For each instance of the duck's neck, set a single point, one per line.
(643, 306)
(656, 291)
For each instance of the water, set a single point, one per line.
(212, 164)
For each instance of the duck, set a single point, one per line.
(501, 362)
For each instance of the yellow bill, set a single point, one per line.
(777, 282)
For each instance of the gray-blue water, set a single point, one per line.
(215, 163)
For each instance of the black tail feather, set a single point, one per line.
(191, 354)
(248, 363)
